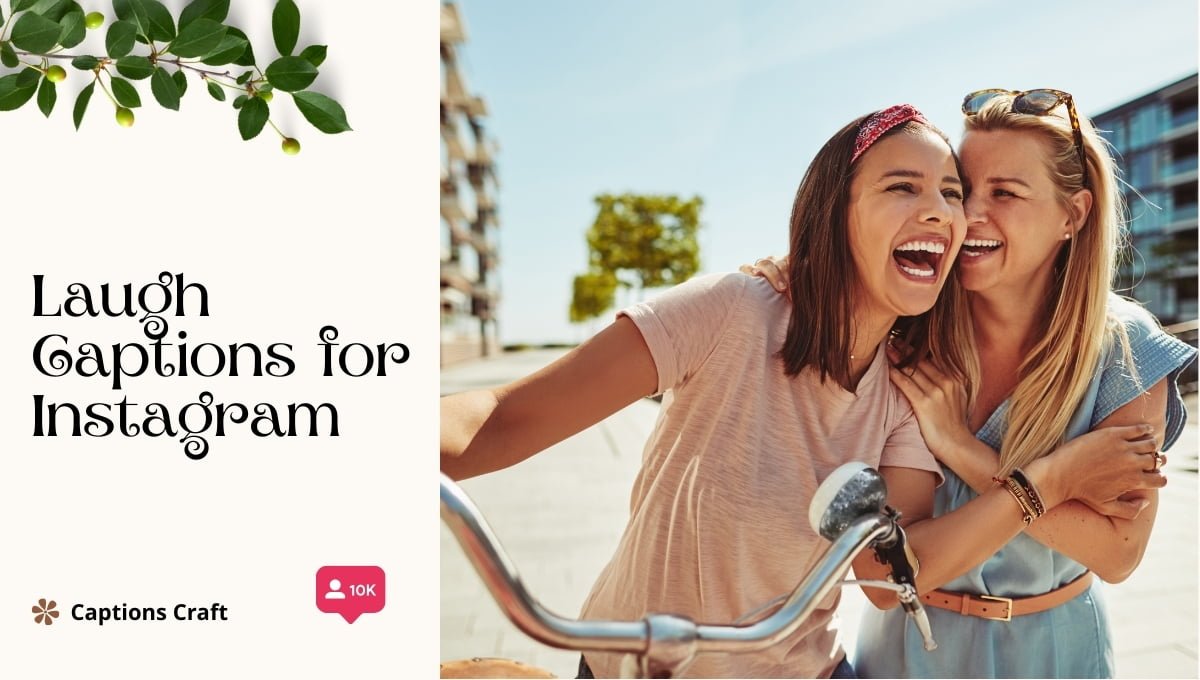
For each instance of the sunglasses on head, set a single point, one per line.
(1033, 102)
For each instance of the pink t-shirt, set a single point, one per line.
(718, 516)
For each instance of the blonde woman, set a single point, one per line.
(1055, 356)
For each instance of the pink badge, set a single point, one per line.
(350, 591)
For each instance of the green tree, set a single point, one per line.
(146, 42)
(636, 242)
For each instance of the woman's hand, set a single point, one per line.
(772, 269)
(1109, 469)
(939, 402)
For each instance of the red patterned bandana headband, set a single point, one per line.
(874, 126)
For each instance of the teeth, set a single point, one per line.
(928, 246)
(928, 273)
(982, 243)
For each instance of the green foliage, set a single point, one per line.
(200, 41)
(285, 26)
(125, 93)
(325, 114)
(594, 294)
(214, 10)
(637, 241)
(47, 96)
(291, 74)
(134, 68)
(81, 103)
(165, 89)
(253, 117)
(35, 33)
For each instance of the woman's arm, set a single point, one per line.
(949, 545)
(487, 430)
(1109, 544)
(1106, 534)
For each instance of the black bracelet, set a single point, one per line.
(1030, 490)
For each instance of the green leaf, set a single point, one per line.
(15, 91)
(162, 26)
(324, 113)
(242, 79)
(291, 73)
(198, 39)
(81, 103)
(136, 68)
(29, 77)
(180, 82)
(247, 58)
(253, 117)
(216, 91)
(164, 89)
(85, 62)
(133, 11)
(119, 39)
(50, 9)
(125, 93)
(231, 48)
(35, 33)
(46, 96)
(239, 100)
(7, 56)
(285, 26)
(21, 5)
(216, 10)
(315, 54)
(73, 30)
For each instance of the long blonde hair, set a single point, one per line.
(1054, 375)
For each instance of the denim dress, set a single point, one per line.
(1068, 641)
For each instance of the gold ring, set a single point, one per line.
(1159, 459)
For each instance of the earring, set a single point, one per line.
(1067, 236)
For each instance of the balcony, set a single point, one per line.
(1180, 125)
(453, 277)
(452, 26)
(1182, 217)
(1179, 168)
(1183, 117)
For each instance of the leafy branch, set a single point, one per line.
(146, 42)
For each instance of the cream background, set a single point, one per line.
(341, 234)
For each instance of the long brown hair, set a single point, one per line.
(822, 273)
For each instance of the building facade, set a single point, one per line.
(470, 284)
(1155, 136)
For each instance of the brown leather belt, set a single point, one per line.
(1004, 608)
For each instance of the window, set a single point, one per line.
(1145, 126)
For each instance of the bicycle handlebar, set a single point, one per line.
(664, 642)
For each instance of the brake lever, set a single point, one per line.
(895, 552)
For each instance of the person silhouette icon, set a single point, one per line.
(335, 590)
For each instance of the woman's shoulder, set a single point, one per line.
(733, 290)
(1131, 314)
(1144, 333)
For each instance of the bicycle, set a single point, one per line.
(849, 509)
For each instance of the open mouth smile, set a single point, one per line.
(978, 247)
(919, 260)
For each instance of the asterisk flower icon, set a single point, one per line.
(45, 612)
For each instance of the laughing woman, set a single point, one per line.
(764, 398)
(1055, 355)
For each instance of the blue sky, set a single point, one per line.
(731, 100)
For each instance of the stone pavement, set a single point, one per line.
(560, 514)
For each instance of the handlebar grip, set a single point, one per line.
(920, 618)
